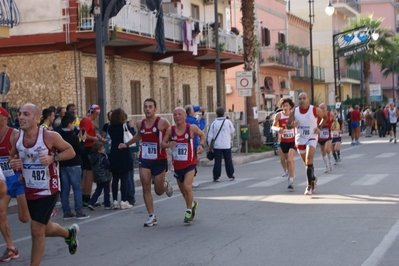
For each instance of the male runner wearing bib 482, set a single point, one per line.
(34, 152)
(180, 138)
(286, 137)
(325, 140)
(15, 188)
(153, 159)
(304, 119)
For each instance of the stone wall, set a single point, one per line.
(58, 78)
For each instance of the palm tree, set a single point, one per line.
(373, 54)
(390, 61)
(248, 24)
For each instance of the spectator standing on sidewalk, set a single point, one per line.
(381, 119)
(179, 138)
(356, 117)
(222, 144)
(71, 170)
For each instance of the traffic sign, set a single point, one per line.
(245, 92)
(244, 80)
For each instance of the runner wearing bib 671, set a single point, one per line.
(180, 138)
(286, 138)
(153, 158)
(304, 119)
(325, 140)
(35, 152)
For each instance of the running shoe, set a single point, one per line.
(90, 207)
(395, 141)
(195, 184)
(68, 216)
(216, 180)
(80, 215)
(308, 191)
(331, 167)
(232, 178)
(285, 174)
(116, 205)
(194, 209)
(97, 204)
(72, 241)
(336, 162)
(151, 221)
(339, 158)
(188, 217)
(291, 183)
(314, 184)
(390, 140)
(326, 169)
(10, 253)
(169, 188)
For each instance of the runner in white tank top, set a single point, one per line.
(304, 119)
(393, 114)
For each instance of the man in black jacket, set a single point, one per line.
(71, 171)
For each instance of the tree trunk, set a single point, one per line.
(248, 23)
(366, 73)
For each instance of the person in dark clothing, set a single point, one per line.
(131, 190)
(381, 119)
(71, 170)
(101, 175)
(120, 159)
(348, 119)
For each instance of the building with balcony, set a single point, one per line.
(51, 56)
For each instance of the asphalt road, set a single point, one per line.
(352, 219)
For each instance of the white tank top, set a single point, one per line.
(307, 125)
(40, 180)
(392, 115)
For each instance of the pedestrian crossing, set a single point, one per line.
(323, 179)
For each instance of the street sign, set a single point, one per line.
(245, 92)
(375, 93)
(244, 80)
(4, 83)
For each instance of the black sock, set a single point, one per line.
(310, 173)
(335, 155)
(339, 153)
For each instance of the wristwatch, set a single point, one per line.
(56, 157)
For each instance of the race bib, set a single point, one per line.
(304, 130)
(324, 133)
(288, 133)
(180, 152)
(5, 166)
(335, 134)
(35, 176)
(149, 150)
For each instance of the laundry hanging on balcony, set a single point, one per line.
(191, 31)
(156, 6)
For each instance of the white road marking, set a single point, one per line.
(369, 180)
(386, 155)
(324, 179)
(270, 182)
(354, 156)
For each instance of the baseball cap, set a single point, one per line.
(3, 112)
(93, 108)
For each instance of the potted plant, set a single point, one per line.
(272, 58)
(293, 48)
(304, 51)
(281, 45)
(235, 31)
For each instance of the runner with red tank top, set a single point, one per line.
(336, 130)
(35, 152)
(286, 139)
(180, 138)
(304, 119)
(325, 140)
(152, 158)
(356, 116)
(15, 188)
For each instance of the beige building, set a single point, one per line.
(50, 57)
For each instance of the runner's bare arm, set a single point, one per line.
(15, 162)
(276, 120)
(53, 139)
(323, 115)
(163, 124)
(166, 143)
(290, 121)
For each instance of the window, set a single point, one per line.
(281, 37)
(91, 91)
(195, 12)
(209, 98)
(265, 36)
(135, 96)
(220, 20)
(186, 95)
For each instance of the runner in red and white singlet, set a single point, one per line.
(286, 139)
(304, 119)
(180, 138)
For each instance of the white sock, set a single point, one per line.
(325, 159)
(188, 210)
(329, 157)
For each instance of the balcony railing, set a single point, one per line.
(352, 3)
(280, 57)
(139, 21)
(304, 73)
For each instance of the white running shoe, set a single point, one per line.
(151, 221)
(125, 205)
(314, 184)
(169, 188)
(331, 167)
(116, 205)
(291, 183)
(326, 170)
(195, 184)
(308, 191)
(285, 174)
